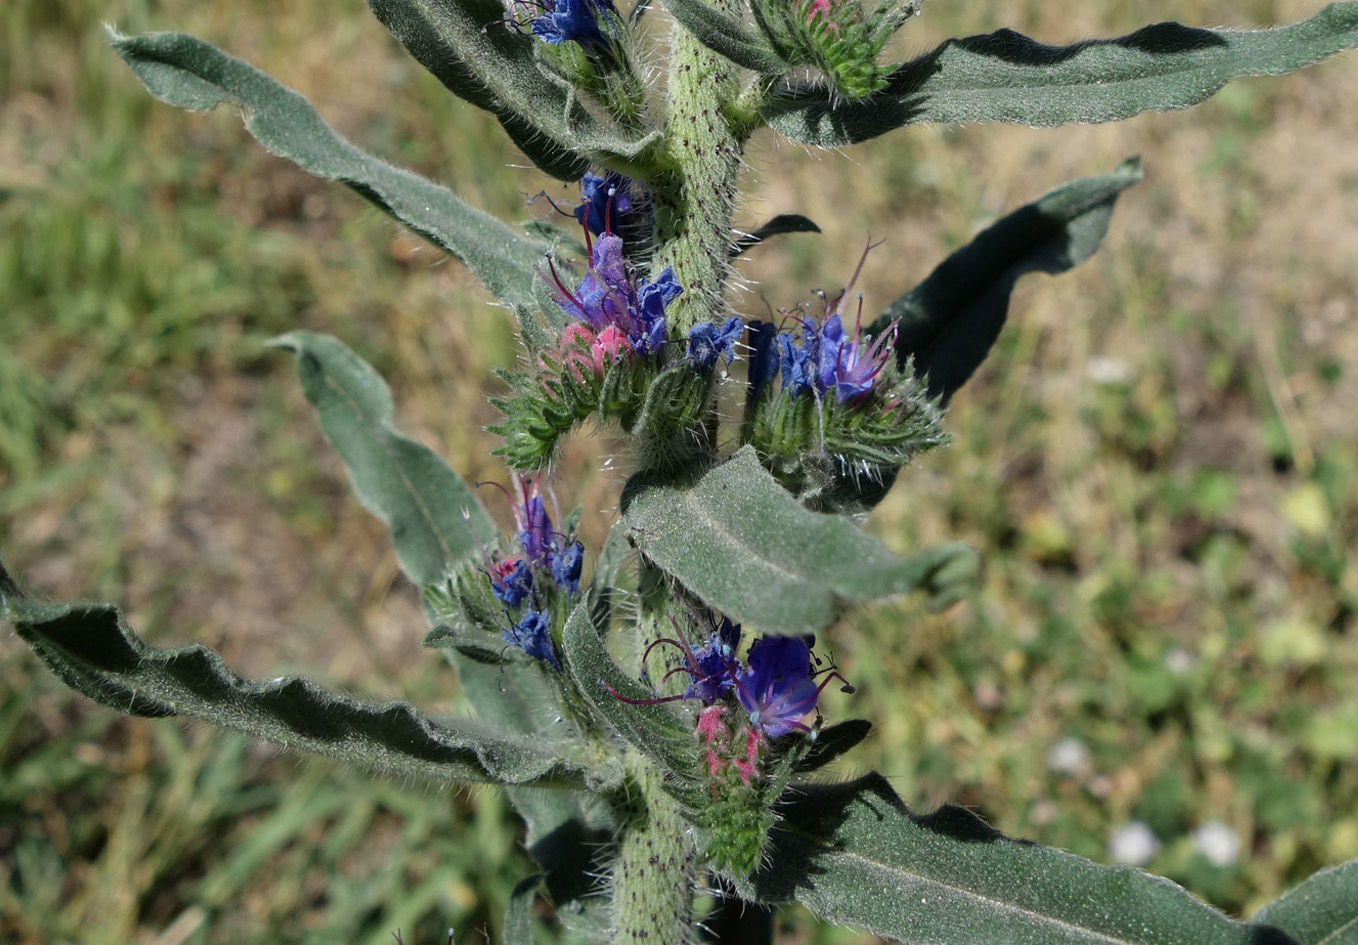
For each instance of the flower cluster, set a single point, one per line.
(621, 315)
(826, 361)
(840, 38)
(774, 688)
(546, 564)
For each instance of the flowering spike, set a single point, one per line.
(609, 297)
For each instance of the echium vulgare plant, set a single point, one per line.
(650, 706)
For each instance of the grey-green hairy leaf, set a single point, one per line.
(477, 54)
(1005, 76)
(948, 323)
(652, 729)
(727, 35)
(433, 516)
(186, 72)
(1321, 911)
(91, 648)
(854, 854)
(409, 23)
(744, 545)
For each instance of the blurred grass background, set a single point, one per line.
(1159, 465)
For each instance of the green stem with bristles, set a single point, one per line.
(695, 197)
(654, 875)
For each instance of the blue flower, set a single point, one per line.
(573, 21)
(709, 341)
(763, 342)
(714, 667)
(609, 297)
(511, 581)
(776, 689)
(566, 565)
(845, 366)
(533, 635)
(798, 361)
(604, 201)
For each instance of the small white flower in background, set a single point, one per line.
(1179, 660)
(1105, 370)
(1217, 842)
(1133, 844)
(1068, 756)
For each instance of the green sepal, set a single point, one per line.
(746, 547)
(660, 407)
(1005, 76)
(854, 854)
(434, 518)
(841, 39)
(738, 814)
(93, 650)
(947, 324)
(189, 73)
(840, 457)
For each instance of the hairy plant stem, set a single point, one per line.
(653, 877)
(695, 196)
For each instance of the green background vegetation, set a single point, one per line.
(1158, 464)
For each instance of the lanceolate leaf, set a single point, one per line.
(782, 223)
(652, 729)
(473, 50)
(949, 321)
(94, 652)
(744, 545)
(408, 23)
(432, 514)
(853, 854)
(727, 35)
(190, 73)
(1321, 911)
(1005, 76)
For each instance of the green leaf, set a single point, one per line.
(91, 648)
(654, 730)
(189, 73)
(1005, 76)
(410, 25)
(726, 35)
(1321, 911)
(950, 320)
(743, 544)
(854, 854)
(433, 516)
(832, 742)
(782, 223)
(477, 54)
(518, 928)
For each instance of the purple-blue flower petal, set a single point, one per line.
(566, 566)
(776, 688)
(532, 635)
